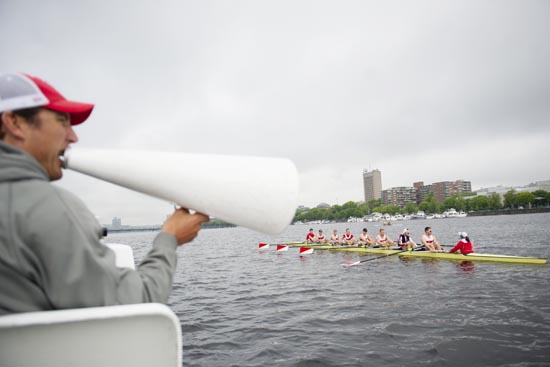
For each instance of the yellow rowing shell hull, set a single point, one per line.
(430, 255)
(474, 257)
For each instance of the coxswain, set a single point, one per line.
(464, 246)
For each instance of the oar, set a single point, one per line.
(281, 248)
(305, 251)
(348, 264)
(265, 246)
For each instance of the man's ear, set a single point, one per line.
(13, 126)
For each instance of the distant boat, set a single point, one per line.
(419, 215)
(452, 213)
(430, 216)
(375, 217)
(397, 217)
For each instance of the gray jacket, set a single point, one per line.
(50, 253)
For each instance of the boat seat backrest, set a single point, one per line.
(129, 335)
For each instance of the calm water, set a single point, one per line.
(242, 307)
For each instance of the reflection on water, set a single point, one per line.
(466, 266)
(242, 307)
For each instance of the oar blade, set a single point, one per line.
(281, 248)
(263, 246)
(305, 251)
(350, 264)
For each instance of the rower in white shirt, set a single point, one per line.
(383, 240)
(429, 240)
(365, 239)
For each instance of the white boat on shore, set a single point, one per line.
(375, 217)
(419, 215)
(452, 213)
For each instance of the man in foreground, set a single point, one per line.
(51, 254)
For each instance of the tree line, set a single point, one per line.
(430, 204)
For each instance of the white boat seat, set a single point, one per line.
(129, 335)
(124, 256)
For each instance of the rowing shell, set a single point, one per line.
(475, 257)
(430, 255)
(361, 250)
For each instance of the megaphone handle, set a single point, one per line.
(178, 207)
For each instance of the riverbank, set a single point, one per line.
(508, 212)
(156, 228)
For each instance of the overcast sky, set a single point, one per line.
(421, 90)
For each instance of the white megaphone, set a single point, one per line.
(255, 192)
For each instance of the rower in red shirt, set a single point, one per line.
(464, 245)
(310, 237)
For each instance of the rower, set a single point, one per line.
(464, 246)
(334, 239)
(310, 237)
(348, 238)
(321, 237)
(365, 239)
(405, 241)
(383, 240)
(429, 240)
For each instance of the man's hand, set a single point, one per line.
(184, 226)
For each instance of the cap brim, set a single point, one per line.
(78, 111)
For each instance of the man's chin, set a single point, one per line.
(56, 175)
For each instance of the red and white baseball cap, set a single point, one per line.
(19, 91)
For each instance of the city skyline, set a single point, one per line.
(543, 184)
